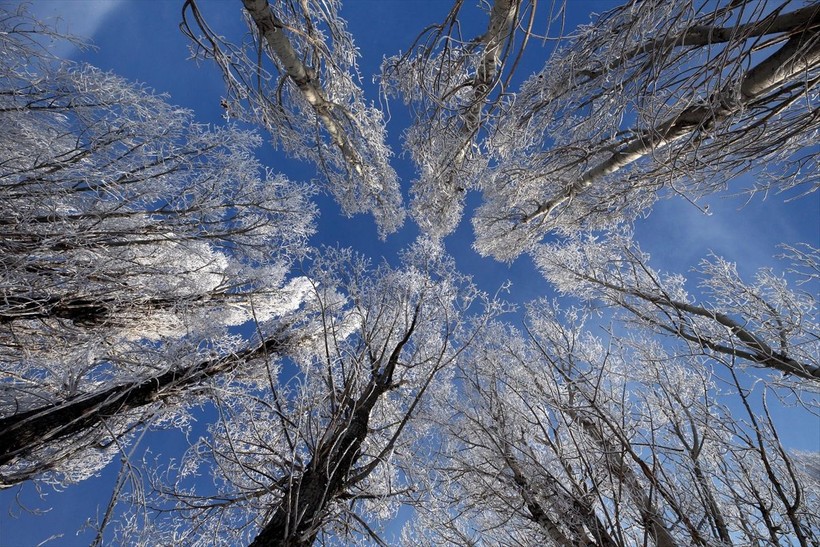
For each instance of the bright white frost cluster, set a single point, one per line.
(451, 83)
(557, 437)
(132, 237)
(439, 141)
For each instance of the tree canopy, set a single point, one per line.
(164, 275)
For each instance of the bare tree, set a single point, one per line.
(765, 323)
(562, 438)
(675, 97)
(454, 85)
(131, 239)
(308, 99)
(319, 456)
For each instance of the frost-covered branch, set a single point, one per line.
(765, 323)
(319, 456)
(796, 58)
(453, 86)
(657, 98)
(23, 434)
(561, 438)
(314, 98)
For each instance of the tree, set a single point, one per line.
(562, 438)
(765, 323)
(310, 103)
(319, 457)
(654, 97)
(453, 85)
(131, 239)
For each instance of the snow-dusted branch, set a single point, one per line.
(23, 434)
(655, 98)
(560, 438)
(316, 97)
(453, 86)
(764, 323)
(293, 459)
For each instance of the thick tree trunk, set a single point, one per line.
(22, 433)
(300, 514)
(80, 311)
(536, 511)
(298, 518)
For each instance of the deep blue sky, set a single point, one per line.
(140, 40)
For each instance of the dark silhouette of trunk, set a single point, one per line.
(22, 433)
(80, 311)
(90, 311)
(299, 517)
(300, 514)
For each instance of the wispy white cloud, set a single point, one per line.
(678, 235)
(80, 18)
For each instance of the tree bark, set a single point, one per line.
(271, 30)
(22, 433)
(299, 515)
(298, 518)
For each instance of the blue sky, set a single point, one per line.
(140, 40)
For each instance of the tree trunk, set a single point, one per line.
(22, 433)
(298, 518)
